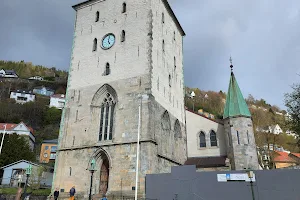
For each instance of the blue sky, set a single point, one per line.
(262, 36)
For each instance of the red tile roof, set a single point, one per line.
(10, 126)
(283, 157)
(296, 154)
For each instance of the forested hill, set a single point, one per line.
(27, 69)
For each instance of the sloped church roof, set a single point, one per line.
(235, 103)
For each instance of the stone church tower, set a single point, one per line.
(125, 54)
(241, 147)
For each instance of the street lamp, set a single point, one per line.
(192, 96)
(92, 170)
(28, 172)
(250, 174)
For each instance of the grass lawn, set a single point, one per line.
(41, 192)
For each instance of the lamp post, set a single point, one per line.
(92, 170)
(3, 138)
(192, 96)
(250, 176)
(28, 172)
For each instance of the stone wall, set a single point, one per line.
(241, 143)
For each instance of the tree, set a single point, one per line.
(15, 148)
(36, 177)
(292, 102)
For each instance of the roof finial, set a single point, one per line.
(231, 66)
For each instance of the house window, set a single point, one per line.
(124, 8)
(238, 137)
(97, 16)
(46, 147)
(174, 36)
(163, 18)
(213, 139)
(202, 140)
(169, 80)
(95, 45)
(123, 36)
(107, 69)
(107, 117)
(163, 46)
(70, 171)
(53, 148)
(52, 156)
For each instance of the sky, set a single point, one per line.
(262, 36)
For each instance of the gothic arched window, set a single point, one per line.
(163, 46)
(174, 63)
(248, 137)
(177, 129)
(107, 117)
(170, 80)
(202, 139)
(166, 124)
(95, 45)
(123, 36)
(163, 18)
(97, 16)
(213, 139)
(124, 8)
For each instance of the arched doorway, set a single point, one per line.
(104, 177)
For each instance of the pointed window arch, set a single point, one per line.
(213, 139)
(124, 8)
(202, 139)
(107, 69)
(105, 100)
(95, 45)
(165, 122)
(123, 36)
(177, 129)
(97, 16)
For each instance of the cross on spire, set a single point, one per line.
(231, 66)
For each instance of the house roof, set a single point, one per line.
(19, 162)
(283, 157)
(235, 103)
(202, 162)
(23, 91)
(11, 126)
(59, 96)
(55, 141)
(296, 154)
(165, 2)
(41, 87)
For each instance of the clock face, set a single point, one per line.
(108, 41)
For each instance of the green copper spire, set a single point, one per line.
(235, 102)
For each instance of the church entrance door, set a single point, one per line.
(104, 177)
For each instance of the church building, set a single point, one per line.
(126, 82)
(228, 144)
(126, 55)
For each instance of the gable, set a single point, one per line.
(21, 127)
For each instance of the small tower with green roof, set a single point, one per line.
(241, 146)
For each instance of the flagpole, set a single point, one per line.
(3, 138)
(138, 153)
